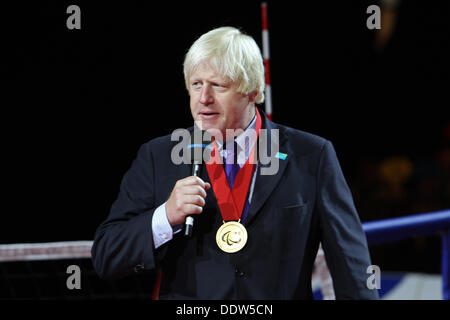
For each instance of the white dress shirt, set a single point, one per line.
(161, 229)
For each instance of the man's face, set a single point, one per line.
(216, 103)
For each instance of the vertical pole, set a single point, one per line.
(265, 42)
(445, 264)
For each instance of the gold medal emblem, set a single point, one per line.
(231, 237)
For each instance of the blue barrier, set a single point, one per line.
(395, 229)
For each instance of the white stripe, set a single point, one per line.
(268, 101)
(265, 42)
(45, 251)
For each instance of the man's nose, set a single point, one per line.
(206, 96)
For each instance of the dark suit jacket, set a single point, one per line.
(305, 203)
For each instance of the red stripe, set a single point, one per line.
(155, 295)
(267, 71)
(264, 16)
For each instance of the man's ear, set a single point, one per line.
(252, 96)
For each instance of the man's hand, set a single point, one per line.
(187, 197)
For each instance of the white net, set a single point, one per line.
(42, 271)
(45, 251)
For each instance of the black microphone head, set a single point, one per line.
(200, 148)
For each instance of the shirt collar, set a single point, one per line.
(249, 135)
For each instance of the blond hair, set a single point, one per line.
(232, 54)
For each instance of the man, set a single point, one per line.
(254, 237)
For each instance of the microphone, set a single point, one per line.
(200, 152)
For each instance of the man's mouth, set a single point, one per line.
(208, 115)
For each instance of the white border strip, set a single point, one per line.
(45, 251)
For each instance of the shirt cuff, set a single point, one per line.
(161, 228)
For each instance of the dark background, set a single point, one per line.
(79, 103)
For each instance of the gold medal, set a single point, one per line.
(231, 236)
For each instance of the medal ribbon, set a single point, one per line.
(231, 202)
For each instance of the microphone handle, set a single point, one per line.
(196, 168)
(189, 223)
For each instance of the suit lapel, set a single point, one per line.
(265, 184)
